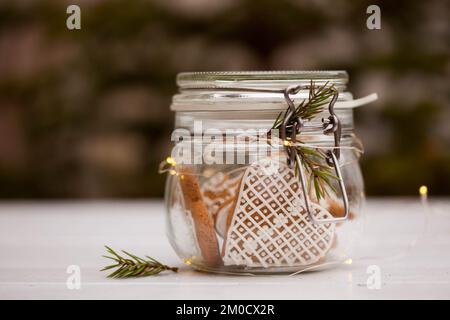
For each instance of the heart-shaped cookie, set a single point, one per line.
(269, 225)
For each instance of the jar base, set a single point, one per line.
(260, 271)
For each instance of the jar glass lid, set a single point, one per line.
(256, 90)
(260, 79)
(250, 90)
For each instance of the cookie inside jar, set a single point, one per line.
(253, 218)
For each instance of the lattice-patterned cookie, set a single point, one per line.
(270, 226)
(219, 194)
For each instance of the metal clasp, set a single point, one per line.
(331, 125)
(298, 124)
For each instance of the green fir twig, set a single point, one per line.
(133, 266)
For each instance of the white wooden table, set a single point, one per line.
(39, 241)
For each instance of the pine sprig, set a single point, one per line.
(319, 174)
(310, 107)
(133, 266)
(313, 160)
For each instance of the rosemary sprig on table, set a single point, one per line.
(313, 160)
(133, 266)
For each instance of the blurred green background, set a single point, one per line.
(85, 113)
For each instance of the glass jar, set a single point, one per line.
(242, 197)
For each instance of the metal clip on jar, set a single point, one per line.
(264, 174)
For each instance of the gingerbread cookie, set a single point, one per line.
(269, 225)
(219, 193)
(183, 226)
(203, 224)
(337, 209)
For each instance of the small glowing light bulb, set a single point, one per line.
(171, 161)
(423, 190)
(348, 261)
(187, 262)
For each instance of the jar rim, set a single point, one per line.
(251, 90)
(274, 79)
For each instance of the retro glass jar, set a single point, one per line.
(264, 174)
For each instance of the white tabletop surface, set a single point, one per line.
(40, 240)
